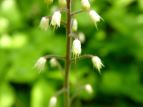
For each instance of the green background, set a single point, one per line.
(118, 42)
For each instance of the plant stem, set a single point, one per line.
(76, 12)
(68, 56)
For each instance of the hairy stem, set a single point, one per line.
(68, 56)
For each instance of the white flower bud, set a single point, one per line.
(49, 1)
(94, 16)
(74, 25)
(53, 62)
(44, 23)
(76, 48)
(5, 41)
(40, 64)
(56, 19)
(97, 62)
(53, 101)
(81, 37)
(62, 3)
(88, 88)
(85, 4)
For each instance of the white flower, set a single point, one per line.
(76, 48)
(88, 88)
(81, 37)
(62, 3)
(74, 25)
(85, 4)
(53, 62)
(40, 64)
(94, 16)
(53, 101)
(44, 23)
(97, 62)
(56, 19)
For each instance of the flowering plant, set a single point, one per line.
(73, 44)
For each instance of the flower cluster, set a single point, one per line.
(55, 21)
(78, 38)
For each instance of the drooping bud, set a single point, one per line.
(5, 41)
(49, 1)
(56, 19)
(81, 37)
(94, 16)
(53, 62)
(74, 25)
(44, 23)
(62, 3)
(40, 64)
(97, 63)
(76, 48)
(88, 88)
(85, 4)
(53, 101)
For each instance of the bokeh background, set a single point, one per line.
(118, 42)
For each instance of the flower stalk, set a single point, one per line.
(68, 56)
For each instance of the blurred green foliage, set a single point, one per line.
(118, 41)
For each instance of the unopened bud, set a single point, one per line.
(49, 1)
(44, 23)
(56, 19)
(81, 37)
(97, 63)
(94, 16)
(85, 4)
(74, 25)
(53, 62)
(62, 3)
(53, 101)
(88, 88)
(76, 48)
(5, 41)
(40, 64)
